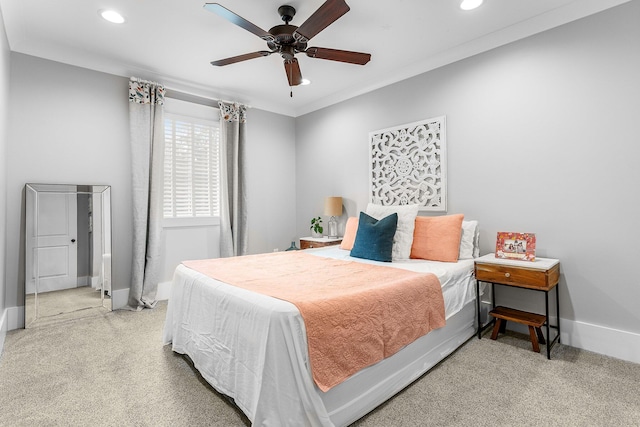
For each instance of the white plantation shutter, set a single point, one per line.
(191, 167)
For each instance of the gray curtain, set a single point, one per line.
(233, 198)
(146, 101)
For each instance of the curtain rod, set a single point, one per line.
(183, 96)
(172, 93)
(209, 102)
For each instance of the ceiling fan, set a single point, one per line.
(288, 40)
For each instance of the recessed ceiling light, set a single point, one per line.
(470, 4)
(112, 16)
(305, 82)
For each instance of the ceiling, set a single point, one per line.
(173, 42)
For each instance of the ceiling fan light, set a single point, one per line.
(112, 16)
(470, 4)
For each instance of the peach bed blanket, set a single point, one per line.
(355, 314)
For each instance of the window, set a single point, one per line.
(191, 167)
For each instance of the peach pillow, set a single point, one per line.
(350, 231)
(437, 238)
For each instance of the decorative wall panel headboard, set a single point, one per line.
(408, 165)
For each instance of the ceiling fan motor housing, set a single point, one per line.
(285, 44)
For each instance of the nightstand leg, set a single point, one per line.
(478, 308)
(558, 311)
(549, 341)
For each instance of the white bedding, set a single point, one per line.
(269, 379)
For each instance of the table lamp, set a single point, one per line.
(333, 208)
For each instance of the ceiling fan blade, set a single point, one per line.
(238, 20)
(292, 68)
(326, 15)
(240, 58)
(338, 55)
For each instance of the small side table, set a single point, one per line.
(541, 275)
(318, 242)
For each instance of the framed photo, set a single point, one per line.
(519, 246)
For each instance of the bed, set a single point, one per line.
(257, 353)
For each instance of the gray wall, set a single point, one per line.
(67, 125)
(4, 111)
(271, 192)
(70, 125)
(542, 137)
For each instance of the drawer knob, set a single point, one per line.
(507, 274)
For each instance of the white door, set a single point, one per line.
(56, 248)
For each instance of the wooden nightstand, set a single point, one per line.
(540, 275)
(318, 242)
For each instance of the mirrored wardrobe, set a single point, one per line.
(68, 251)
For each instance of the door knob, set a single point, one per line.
(73, 240)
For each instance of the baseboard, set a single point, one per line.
(119, 298)
(15, 317)
(611, 342)
(164, 291)
(601, 339)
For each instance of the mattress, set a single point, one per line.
(252, 347)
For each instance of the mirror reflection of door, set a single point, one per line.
(68, 252)
(56, 249)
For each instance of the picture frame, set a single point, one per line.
(516, 246)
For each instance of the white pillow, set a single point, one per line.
(469, 241)
(404, 232)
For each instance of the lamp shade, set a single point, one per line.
(333, 206)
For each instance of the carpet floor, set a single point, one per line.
(111, 369)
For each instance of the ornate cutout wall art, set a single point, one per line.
(408, 165)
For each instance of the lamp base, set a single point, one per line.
(333, 228)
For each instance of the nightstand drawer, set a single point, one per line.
(518, 276)
(310, 243)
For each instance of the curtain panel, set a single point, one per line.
(146, 101)
(233, 197)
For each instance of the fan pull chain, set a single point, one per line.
(290, 77)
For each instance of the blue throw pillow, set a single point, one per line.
(374, 238)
